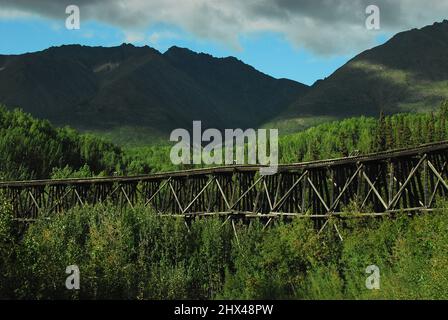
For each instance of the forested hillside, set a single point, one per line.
(360, 135)
(363, 135)
(33, 149)
(406, 74)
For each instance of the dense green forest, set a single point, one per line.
(360, 135)
(32, 148)
(135, 254)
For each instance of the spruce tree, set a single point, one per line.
(380, 137)
(430, 136)
(443, 116)
(407, 139)
(419, 133)
(443, 110)
(388, 134)
(400, 132)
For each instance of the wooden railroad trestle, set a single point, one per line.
(381, 183)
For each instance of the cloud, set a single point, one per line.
(88, 35)
(134, 36)
(326, 27)
(11, 14)
(155, 37)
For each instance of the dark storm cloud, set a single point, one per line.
(323, 26)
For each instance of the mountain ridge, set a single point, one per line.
(105, 87)
(408, 73)
(140, 88)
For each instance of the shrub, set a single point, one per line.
(136, 254)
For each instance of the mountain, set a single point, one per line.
(409, 73)
(138, 92)
(97, 88)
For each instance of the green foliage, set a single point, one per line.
(155, 158)
(334, 139)
(363, 135)
(272, 263)
(409, 252)
(380, 137)
(329, 140)
(136, 254)
(8, 237)
(31, 148)
(122, 255)
(68, 172)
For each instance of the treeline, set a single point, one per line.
(34, 149)
(360, 135)
(31, 148)
(406, 130)
(364, 135)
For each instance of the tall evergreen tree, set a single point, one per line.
(399, 132)
(419, 133)
(407, 139)
(380, 137)
(443, 110)
(389, 134)
(430, 136)
(443, 116)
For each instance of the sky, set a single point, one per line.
(303, 40)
